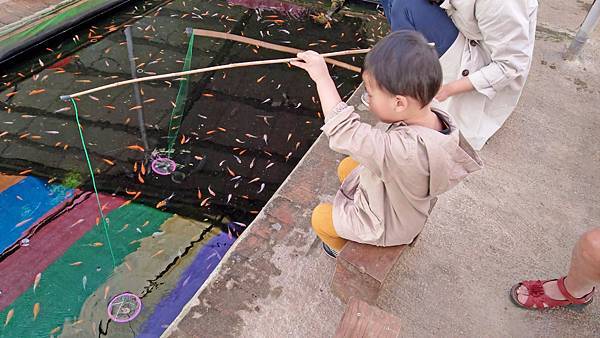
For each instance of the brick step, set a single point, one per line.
(364, 320)
(361, 269)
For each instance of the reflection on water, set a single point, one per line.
(239, 134)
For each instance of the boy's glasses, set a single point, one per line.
(364, 98)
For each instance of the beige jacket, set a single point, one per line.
(494, 49)
(386, 200)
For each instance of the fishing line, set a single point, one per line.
(89, 164)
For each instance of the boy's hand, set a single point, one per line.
(314, 64)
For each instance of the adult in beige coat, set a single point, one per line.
(486, 66)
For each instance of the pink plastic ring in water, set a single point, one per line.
(124, 307)
(163, 166)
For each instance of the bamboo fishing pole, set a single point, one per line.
(263, 44)
(207, 69)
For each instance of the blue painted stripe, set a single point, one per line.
(24, 203)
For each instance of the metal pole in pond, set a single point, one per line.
(136, 88)
(588, 25)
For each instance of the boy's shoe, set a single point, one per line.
(364, 98)
(329, 251)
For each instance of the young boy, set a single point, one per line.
(396, 168)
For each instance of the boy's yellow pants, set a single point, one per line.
(322, 216)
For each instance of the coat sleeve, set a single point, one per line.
(505, 29)
(364, 143)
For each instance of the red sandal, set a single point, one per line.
(538, 300)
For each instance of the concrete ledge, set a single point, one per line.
(35, 16)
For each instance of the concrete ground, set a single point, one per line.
(518, 218)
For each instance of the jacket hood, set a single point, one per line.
(448, 164)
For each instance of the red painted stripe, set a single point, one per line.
(47, 244)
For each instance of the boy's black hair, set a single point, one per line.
(403, 63)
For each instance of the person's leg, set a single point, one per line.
(423, 16)
(322, 216)
(322, 223)
(345, 168)
(584, 270)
